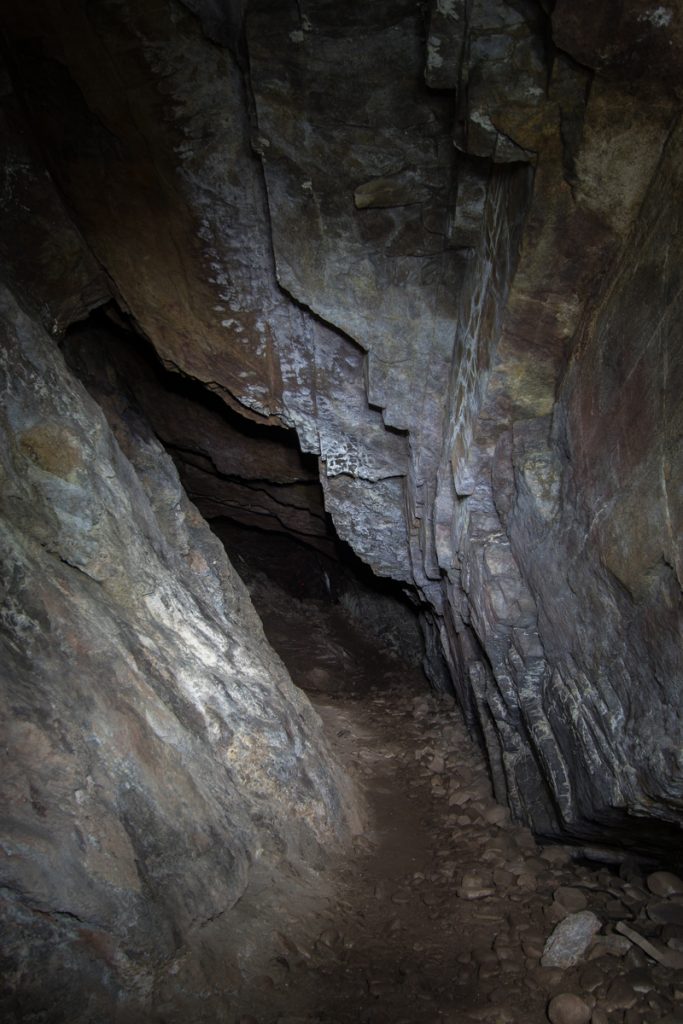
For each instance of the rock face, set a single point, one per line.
(228, 465)
(448, 254)
(154, 747)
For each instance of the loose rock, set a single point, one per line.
(573, 900)
(664, 883)
(474, 887)
(570, 940)
(620, 996)
(666, 912)
(662, 954)
(568, 1008)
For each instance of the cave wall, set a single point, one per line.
(565, 671)
(229, 466)
(154, 747)
(442, 246)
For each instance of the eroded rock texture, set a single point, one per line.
(154, 747)
(444, 246)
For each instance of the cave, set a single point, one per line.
(262, 497)
(340, 517)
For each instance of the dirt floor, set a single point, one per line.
(442, 909)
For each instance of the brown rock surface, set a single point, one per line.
(568, 1008)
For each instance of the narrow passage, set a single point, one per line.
(442, 910)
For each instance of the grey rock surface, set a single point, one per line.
(154, 747)
(570, 940)
(448, 254)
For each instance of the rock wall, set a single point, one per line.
(444, 251)
(154, 747)
(561, 557)
(229, 466)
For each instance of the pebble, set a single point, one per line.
(459, 799)
(502, 878)
(532, 947)
(554, 913)
(667, 912)
(556, 855)
(663, 883)
(672, 932)
(497, 816)
(330, 937)
(400, 898)
(568, 1008)
(526, 881)
(572, 899)
(635, 958)
(474, 887)
(484, 955)
(615, 945)
(570, 940)
(634, 895)
(548, 978)
(640, 980)
(620, 996)
(615, 910)
(591, 978)
(432, 899)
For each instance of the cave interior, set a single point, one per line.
(341, 505)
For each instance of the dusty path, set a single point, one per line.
(443, 910)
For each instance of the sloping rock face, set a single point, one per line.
(154, 747)
(446, 250)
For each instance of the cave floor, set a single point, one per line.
(441, 908)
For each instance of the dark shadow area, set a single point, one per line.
(263, 499)
(335, 624)
(118, 333)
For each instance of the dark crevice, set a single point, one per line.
(270, 516)
(119, 326)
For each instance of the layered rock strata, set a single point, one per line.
(448, 254)
(229, 466)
